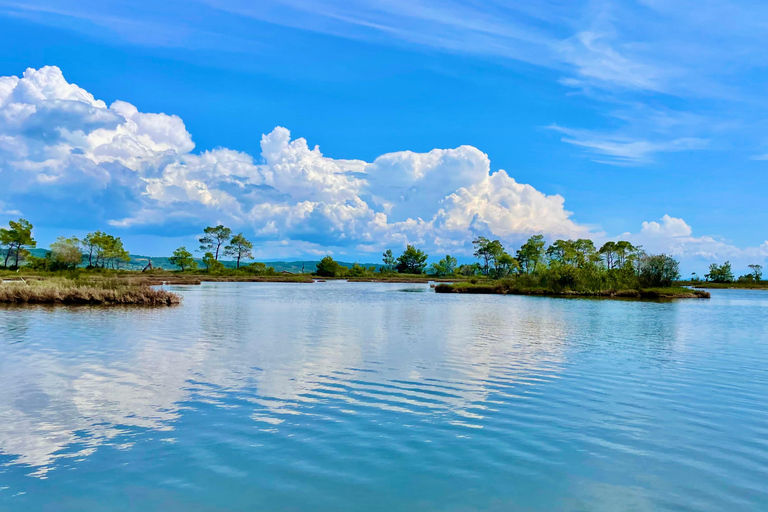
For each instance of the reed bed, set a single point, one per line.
(85, 291)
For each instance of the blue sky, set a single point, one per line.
(612, 114)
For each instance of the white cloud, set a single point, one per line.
(66, 152)
(620, 149)
(674, 236)
(669, 227)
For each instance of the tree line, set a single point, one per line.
(562, 260)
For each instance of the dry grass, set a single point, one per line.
(85, 291)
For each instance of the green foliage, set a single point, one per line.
(720, 273)
(357, 271)
(240, 248)
(183, 259)
(488, 252)
(469, 270)
(260, 269)
(328, 267)
(757, 272)
(14, 240)
(65, 253)
(445, 267)
(658, 271)
(531, 254)
(412, 261)
(389, 261)
(214, 237)
(103, 250)
(212, 265)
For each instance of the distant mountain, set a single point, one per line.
(138, 262)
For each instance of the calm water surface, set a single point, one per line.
(385, 397)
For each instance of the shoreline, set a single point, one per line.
(763, 285)
(642, 294)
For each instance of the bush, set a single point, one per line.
(328, 267)
(658, 271)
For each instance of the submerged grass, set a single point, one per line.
(85, 291)
(510, 287)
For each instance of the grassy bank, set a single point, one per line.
(85, 291)
(762, 285)
(510, 287)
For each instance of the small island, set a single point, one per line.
(60, 290)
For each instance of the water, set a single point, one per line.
(351, 396)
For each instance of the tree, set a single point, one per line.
(658, 270)
(260, 269)
(211, 263)
(65, 253)
(506, 265)
(113, 252)
(489, 252)
(608, 251)
(16, 238)
(445, 267)
(757, 272)
(412, 261)
(240, 248)
(389, 261)
(720, 273)
(357, 270)
(90, 243)
(328, 267)
(213, 239)
(531, 254)
(470, 269)
(585, 252)
(183, 259)
(626, 253)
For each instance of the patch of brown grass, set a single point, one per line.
(77, 291)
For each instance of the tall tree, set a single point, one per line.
(240, 248)
(389, 260)
(531, 254)
(412, 261)
(90, 243)
(608, 251)
(488, 252)
(626, 253)
(214, 238)
(757, 272)
(483, 253)
(16, 238)
(183, 259)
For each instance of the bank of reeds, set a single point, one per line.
(85, 291)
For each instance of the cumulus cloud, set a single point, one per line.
(674, 236)
(66, 152)
(669, 227)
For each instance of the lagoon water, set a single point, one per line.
(385, 397)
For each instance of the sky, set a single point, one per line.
(345, 128)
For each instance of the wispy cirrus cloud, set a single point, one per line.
(619, 149)
(698, 56)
